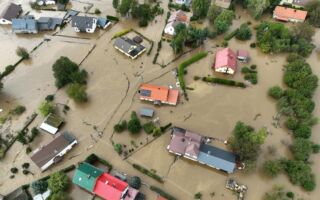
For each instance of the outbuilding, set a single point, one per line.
(146, 112)
(10, 12)
(51, 123)
(243, 55)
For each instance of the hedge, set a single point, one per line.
(224, 82)
(185, 64)
(230, 35)
(162, 193)
(112, 18)
(151, 47)
(92, 158)
(121, 33)
(148, 173)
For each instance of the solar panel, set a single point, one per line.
(146, 93)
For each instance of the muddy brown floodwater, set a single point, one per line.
(113, 81)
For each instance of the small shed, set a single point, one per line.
(243, 55)
(137, 39)
(51, 123)
(146, 112)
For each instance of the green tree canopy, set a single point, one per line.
(245, 142)
(301, 149)
(59, 196)
(124, 6)
(77, 92)
(257, 7)
(244, 32)
(200, 8)
(115, 4)
(272, 168)
(303, 30)
(39, 186)
(134, 125)
(46, 108)
(313, 9)
(65, 71)
(223, 21)
(213, 12)
(135, 182)
(58, 182)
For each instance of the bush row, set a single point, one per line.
(148, 173)
(162, 193)
(223, 82)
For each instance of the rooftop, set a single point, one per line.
(11, 11)
(226, 57)
(284, 13)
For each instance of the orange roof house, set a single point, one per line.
(158, 94)
(289, 14)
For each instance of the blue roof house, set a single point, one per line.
(25, 25)
(217, 158)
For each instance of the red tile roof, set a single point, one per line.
(226, 58)
(109, 187)
(283, 13)
(158, 93)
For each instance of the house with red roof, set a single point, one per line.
(225, 61)
(158, 94)
(103, 184)
(289, 14)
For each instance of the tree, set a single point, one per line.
(125, 6)
(223, 21)
(115, 4)
(65, 71)
(59, 196)
(135, 182)
(272, 168)
(200, 8)
(257, 7)
(213, 12)
(134, 125)
(244, 32)
(39, 186)
(46, 108)
(245, 142)
(22, 52)
(58, 182)
(178, 40)
(77, 92)
(118, 148)
(301, 149)
(275, 92)
(303, 30)
(119, 128)
(313, 9)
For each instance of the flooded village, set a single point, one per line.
(156, 121)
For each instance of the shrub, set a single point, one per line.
(97, 11)
(230, 35)
(14, 170)
(25, 172)
(301, 149)
(134, 125)
(303, 131)
(21, 137)
(315, 148)
(290, 195)
(7, 70)
(253, 67)
(77, 92)
(39, 186)
(112, 18)
(91, 159)
(49, 97)
(198, 195)
(46, 108)
(135, 182)
(22, 52)
(118, 148)
(223, 81)
(34, 133)
(18, 110)
(244, 32)
(59, 196)
(148, 127)
(253, 45)
(275, 92)
(196, 78)
(121, 33)
(185, 64)
(58, 182)
(119, 128)
(292, 123)
(162, 193)
(25, 165)
(28, 150)
(272, 168)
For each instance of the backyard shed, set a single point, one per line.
(51, 123)
(146, 112)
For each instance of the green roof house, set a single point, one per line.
(86, 176)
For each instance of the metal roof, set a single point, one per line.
(147, 112)
(12, 11)
(86, 176)
(82, 22)
(24, 24)
(217, 158)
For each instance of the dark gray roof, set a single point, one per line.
(71, 13)
(82, 22)
(12, 11)
(217, 158)
(128, 46)
(147, 112)
(48, 23)
(24, 25)
(18, 194)
(49, 151)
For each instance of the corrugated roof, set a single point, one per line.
(86, 176)
(217, 158)
(24, 24)
(82, 22)
(148, 112)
